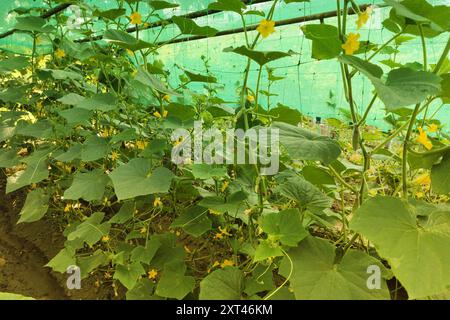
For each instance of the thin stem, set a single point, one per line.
(369, 107)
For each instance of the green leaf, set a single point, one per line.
(261, 280)
(306, 145)
(317, 176)
(111, 14)
(74, 152)
(89, 263)
(13, 296)
(8, 158)
(317, 276)
(137, 179)
(267, 249)
(64, 259)
(76, 116)
(417, 250)
(174, 284)
(89, 186)
(440, 175)
(206, 171)
(35, 207)
(188, 26)
(228, 5)
(14, 63)
(142, 291)
(32, 24)
(196, 77)
(234, 204)
(63, 74)
(193, 221)
(325, 38)
(90, 230)
(144, 77)
(285, 226)
(101, 101)
(161, 5)
(304, 193)
(71, 99)
(125, 213)
(94, 148)
(285, 114)
(260, 57)
(402, 87)
(125, 40)
(34, 173)
(222, 284)
(129, 274)
(145, 254)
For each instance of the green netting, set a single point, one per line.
(313, 87)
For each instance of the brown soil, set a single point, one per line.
(25, 249)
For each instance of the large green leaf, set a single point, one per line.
(285, 226)
(89, 186)
(35, 207)
(101, 101)
(64, 259)
(440, 175)
(34, 173)
(306, 145)
(94, 148)
(316, 275)
(32, 24)
(193, 221)
(224, 284)
(8, 158)
(125, 40)
(416, 249)
(188, 26)
(402, 87)
(325, 40)
(90, 230)
(129, 274)
(144, 77)
(136, 178)
(160, 5)
(13, 296)
(304, 193)
(260, 57)
(174, 284)
(14, 63)
(228, 5)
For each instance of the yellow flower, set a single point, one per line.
(59, 53)
(218, 236)
(165, 113)
(106, 238)
(364, 17)
(422, 180)
(166, 98)
(67, 207)
(152, 274)
(250, 98)
(355, 158)
(114, 155)
(423, 139)
(266, 28)
(432, 128)
(420, 195)
(157, 114)
(373, 192)
(224, 186)
(227, 263)
(216, 264)
(352, 43)
(141, 144)
(143, 230)
(224, 231)
(214, 212)
(135, 18)
(157, 202)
